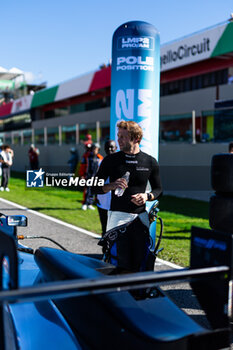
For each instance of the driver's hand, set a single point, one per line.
(122, 183)
(139, 198)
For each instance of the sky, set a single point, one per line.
(54, 41)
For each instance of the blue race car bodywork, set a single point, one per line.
(38, 325)
(62, 300)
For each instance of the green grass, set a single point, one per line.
(60, 203)
(178, 214)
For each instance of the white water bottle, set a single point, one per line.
(119, 191)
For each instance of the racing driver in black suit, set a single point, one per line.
(142, 168)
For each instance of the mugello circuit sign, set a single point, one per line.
(200, 46)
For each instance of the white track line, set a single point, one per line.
(52, 219)
(168, 263)
(174, 266)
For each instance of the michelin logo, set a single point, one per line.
(129, 42)
(35, 178)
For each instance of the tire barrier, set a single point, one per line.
(222, 173)
(221, 204)
(214, 247)
(221, 213)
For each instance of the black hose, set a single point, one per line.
(160, 235)
(49, 239)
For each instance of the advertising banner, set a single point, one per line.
(21, 104)
(135, 81)
(209, 43)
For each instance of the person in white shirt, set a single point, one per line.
(6, 159)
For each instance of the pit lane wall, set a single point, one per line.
(185, 168)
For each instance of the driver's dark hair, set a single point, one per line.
(230, 146)
(134, 130)
(4, 147)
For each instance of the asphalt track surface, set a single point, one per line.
(80, 241)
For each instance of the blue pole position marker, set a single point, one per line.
(135, 81)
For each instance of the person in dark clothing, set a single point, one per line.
(33, 154)
(93, 160)
(131, 205)
(74, 159)
(104, 200)
(142, 168)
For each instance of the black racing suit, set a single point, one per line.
(142, 168)
(130, 249)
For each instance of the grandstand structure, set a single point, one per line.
(196, 80)
(196, 74)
